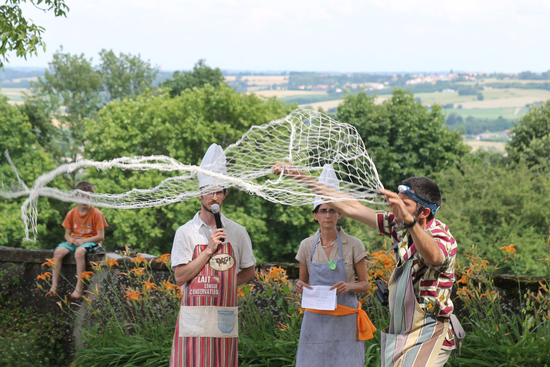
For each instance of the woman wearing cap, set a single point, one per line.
(333, 258)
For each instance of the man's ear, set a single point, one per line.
(425, 213)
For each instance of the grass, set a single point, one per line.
(14, 94)
(498, 147)
(504, 81)
(505, 97)
(510, 113)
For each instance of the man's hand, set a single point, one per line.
(289, 169)
(397, 206)
(215, 241)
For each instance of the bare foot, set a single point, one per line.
(75, 294)
(51, 293)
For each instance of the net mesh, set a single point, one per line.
(306, 138)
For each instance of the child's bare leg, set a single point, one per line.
(80, 257)
(58, 255)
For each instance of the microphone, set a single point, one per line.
(215, 208)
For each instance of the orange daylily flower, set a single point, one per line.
(164, 259)
(463, 292)
(111, 262)
(149, 285)
(50, 262)
(166, 284)
(276, 273)
(44, 276)
(139, 259)
(509, 249)
(138, 271)
(86, 275)
(462, 280)
(132, 295)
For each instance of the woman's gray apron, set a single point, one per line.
(327, 340)
(414, 337)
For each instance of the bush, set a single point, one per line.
(29, 337)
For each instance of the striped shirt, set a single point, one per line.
(432, 284)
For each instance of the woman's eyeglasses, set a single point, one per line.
(324, 212)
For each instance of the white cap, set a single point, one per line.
(329, 179)
(214, 161)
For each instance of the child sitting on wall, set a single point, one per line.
(84, 231)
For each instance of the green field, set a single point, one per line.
(14, 94)
(489, 113)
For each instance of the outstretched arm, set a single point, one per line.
(349, 207)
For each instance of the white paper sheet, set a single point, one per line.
(319, 298)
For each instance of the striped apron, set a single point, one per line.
(327, 340)
(414, 337)
(212, 293)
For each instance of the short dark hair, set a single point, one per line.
(85, 186)
(426, 189)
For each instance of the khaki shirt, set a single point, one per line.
(353, 251)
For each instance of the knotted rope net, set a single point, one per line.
(305, 138)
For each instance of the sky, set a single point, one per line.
(306, 35)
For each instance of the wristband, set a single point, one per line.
(409, 225)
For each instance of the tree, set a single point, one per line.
(125, 75)
(530, 138)
(69, 92)
(30, 160)
(198, 78)
(402, 137)
(19, 34)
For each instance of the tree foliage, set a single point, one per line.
(530, 138)
(485, 204)
(198, 78)
(20, 34)
(31, 160)
(402, 137)
(125, 75)
(72, 90)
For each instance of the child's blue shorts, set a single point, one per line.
(91, 247)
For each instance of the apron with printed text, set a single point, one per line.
(211, 297)
(414, 337)
(327, 340)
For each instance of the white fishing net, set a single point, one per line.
(306, 138)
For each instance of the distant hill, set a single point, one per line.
(19, 77)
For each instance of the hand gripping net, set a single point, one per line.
(306, 138)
